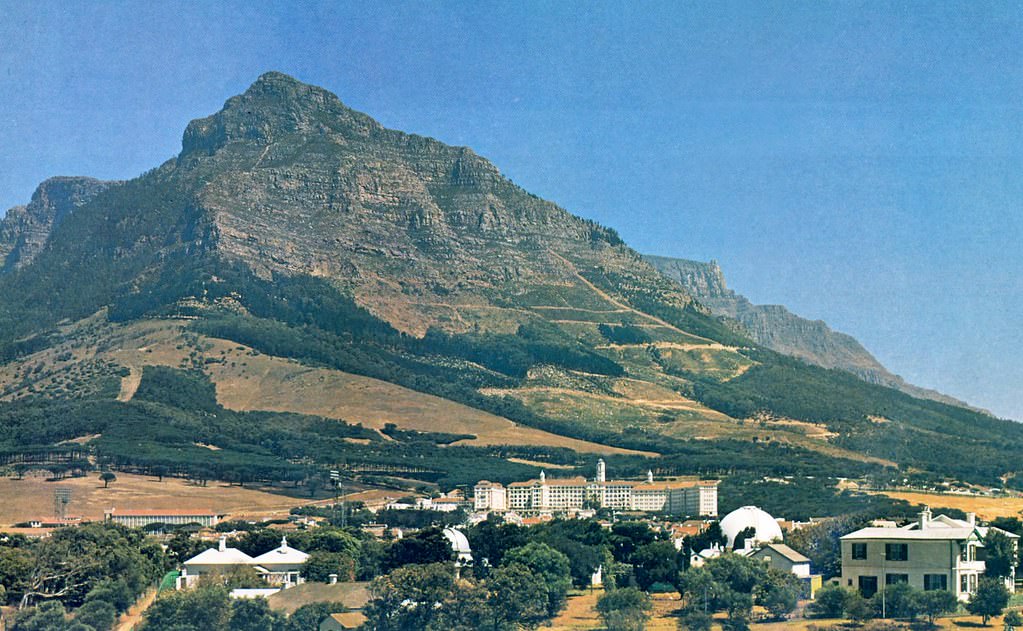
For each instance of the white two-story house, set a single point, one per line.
(929, 554)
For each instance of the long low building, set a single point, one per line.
(171, 517)
(677, 497)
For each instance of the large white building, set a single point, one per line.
(678, 497)
(930, 553)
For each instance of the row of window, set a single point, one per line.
(892, 551)
(868, 584)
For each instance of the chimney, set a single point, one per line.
(333, 579)
(925, 517)
(971, 518)
(649, 476)
(223, 543)
(601, 471)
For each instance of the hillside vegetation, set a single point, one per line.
(293, 227)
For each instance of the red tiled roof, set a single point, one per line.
(169, 512)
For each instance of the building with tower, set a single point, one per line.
(676, 496)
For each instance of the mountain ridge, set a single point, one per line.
(779, 329)
(295, 227)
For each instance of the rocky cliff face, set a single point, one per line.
(25, 229)
(286, 179)
(779, 329)
(293, 181)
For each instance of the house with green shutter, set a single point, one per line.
(931, 553)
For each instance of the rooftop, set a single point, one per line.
(785, 551)
(169, 512)
(940, 528)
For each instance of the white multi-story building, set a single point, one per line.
(678, 496)
(930, 553)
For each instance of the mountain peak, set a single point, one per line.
(275, 107)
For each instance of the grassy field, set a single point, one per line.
(985, 507)
(261, 382)
(32, 497)
(580, 613)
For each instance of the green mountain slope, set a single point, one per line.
(298, 228)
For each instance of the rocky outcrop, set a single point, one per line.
(295, 182)
(779, 329)
(24, 230)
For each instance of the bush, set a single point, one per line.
(829, 602)
(625, 609)
(98, 614)
(695, 621)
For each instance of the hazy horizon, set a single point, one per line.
(857, 163)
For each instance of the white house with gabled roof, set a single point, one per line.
(939, 553)
(281, 566)
(219, 560)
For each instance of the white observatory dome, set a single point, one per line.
(767, 529)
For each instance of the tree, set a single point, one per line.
(820, 542)
(548, 565)
(858, 608)
(583, 559)
(308, 617)
(902, 601)
(423, 548)
(740, 538)
(254, 614)
(829, 602)
(625, 609)
(516, 596)
(656, 562)
(629, 536)
(1001, 554)
(699, 589)
(1012, 620)
(16, 565)
(491, 539)
(98, 614)
(160, 471)
(937, 602)
(107, 477)
(206, 608)
(739, 607)
(989, 600)
(409, 597)
(320, 565)
(116, 592)
(465, 609)
(49, 616)
(695, 621)
(68, 564)
(778, 592)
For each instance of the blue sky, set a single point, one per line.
(861, 163)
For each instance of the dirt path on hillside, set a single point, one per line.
(130, 384)
(131, 618)
(621, 305)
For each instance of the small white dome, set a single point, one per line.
(767, 529)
